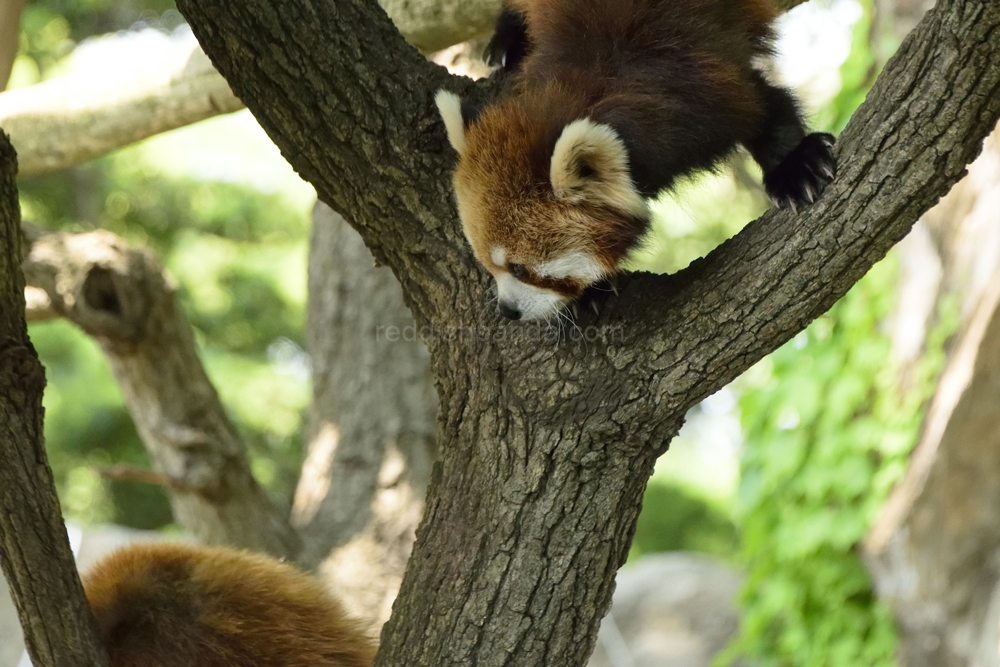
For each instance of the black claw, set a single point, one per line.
(802, 176)
(509, 44)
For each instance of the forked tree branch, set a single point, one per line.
(546, 445)
(692, 332)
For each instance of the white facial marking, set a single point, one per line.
(600, 147)
(499, 256)
(534, 303)
(450, 106)
(578, 265)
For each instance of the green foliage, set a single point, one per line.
(827, 436)
(857, 75)
(237, 254)
(688, 221)
(675, 519)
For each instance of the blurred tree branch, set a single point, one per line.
(35, 554)
(121, 296)
(68, 120)
(65, 121)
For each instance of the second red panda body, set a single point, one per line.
(609, 102)
(177, 605)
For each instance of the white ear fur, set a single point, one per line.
(601, 148)
(450, 106)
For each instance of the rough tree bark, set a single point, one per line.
(34, 550)
(371, 423)
(546, 447)
(122, 297)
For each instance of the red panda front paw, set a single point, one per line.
(591, 303)
(509, 44)
(802, 176)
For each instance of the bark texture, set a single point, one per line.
(35, 554)
(371, 424)
(122, 297)
(547, 444)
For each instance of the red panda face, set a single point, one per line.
(549, 208)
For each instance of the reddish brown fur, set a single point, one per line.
(174, 605)
(524, 149)
(673, 78)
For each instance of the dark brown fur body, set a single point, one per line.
(607, 103)
(174, 605)
(672, 77)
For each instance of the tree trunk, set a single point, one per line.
(35, 555)
(933, 550)
(371, 424)
(547, 444)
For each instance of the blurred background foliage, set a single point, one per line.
(780, 473)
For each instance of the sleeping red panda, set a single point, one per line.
(177, 605)
(610, 102)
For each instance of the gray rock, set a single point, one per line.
(669, 610)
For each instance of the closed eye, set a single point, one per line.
(519, 271)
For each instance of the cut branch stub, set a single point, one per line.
(122, 297)
(107, 295)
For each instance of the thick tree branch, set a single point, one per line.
(34, 550)
(66, 121)
(122, 297)
(432, 25)
(546, 443)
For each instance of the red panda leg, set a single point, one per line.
(509, 44)
(797, 167)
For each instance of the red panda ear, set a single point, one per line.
(457, 116)
(590, 163)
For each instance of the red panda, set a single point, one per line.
(608, 103)
(176, 605)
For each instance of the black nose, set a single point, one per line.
(510, 312)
